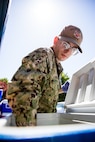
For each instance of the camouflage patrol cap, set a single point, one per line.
(72, 34)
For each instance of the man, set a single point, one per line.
(35, 86)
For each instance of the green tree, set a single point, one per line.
(4, 80)
(64, 78)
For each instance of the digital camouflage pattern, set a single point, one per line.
(34, 87)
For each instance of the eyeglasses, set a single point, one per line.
(68, 46)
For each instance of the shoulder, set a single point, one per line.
(41, 50)
(40, 53)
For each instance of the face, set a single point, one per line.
(63, 50)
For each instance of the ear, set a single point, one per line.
(55, 40)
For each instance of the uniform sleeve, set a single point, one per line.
(32, 73)
(25, 89)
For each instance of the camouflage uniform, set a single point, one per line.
(34, 87)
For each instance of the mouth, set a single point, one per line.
(63, 55)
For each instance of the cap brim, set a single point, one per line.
(80, 49)
(71, 40)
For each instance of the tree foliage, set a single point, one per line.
(4, 80)
(64, 77)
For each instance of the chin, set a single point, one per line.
(62, 59)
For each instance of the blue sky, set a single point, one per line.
(34, 23)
